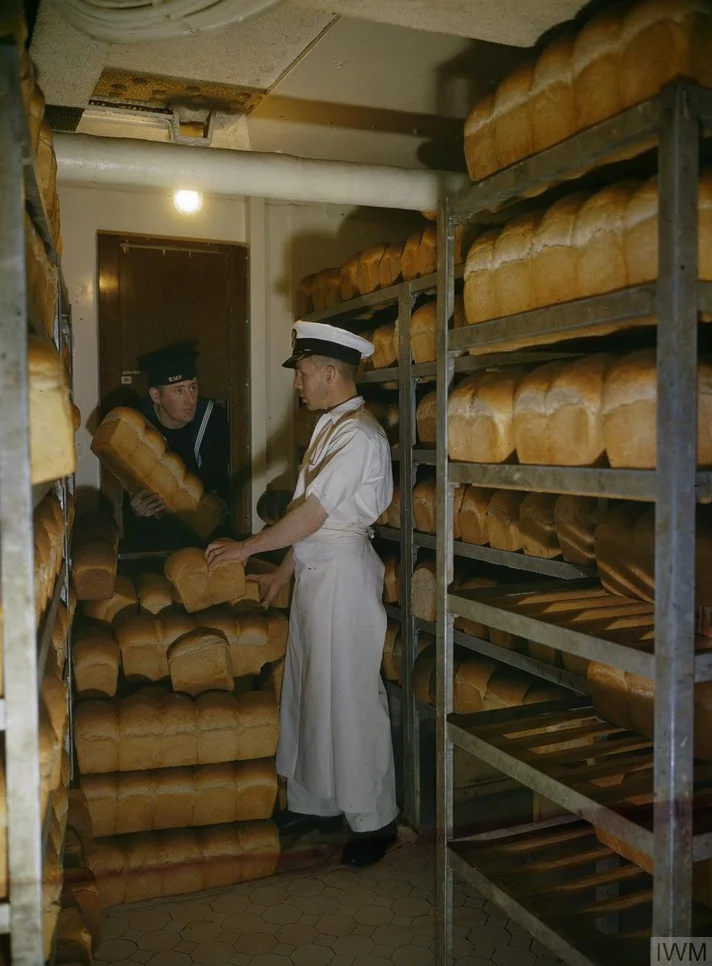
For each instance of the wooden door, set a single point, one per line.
(157, 291)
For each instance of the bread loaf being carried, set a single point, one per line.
(198, 586)
(136, 453)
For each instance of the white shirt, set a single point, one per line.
(347, 467)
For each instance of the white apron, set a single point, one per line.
(335, 737)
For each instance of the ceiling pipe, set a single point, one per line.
(122, 162)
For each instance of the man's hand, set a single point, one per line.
(147, 504)
(226, 550)
(270, 585)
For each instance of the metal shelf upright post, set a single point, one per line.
(675, 118)
(22, 918)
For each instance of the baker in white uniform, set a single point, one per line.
(335, 741)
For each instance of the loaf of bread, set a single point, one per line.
(554, 258)
(52, 450)
(502, 520)
(426, 257)
(326, 288)
(59, 640)
(480, 149)
(512, 266)
(122, 604)
(143, 732)
(625, 551)
(662, 41)
(144, 801)
(391, 581)
(485, 685)
(390, 268)
(424, 591)
(553, 108)
(349, 277)
(512, 116)
(94, 556)
(627, 700)
(426, 419)
(422, 333)
(48, 539)
(630, 412)
(557, 412)
(132, 868)
(393, 514)
(42, 280)
(303, 297)
(599, 240)
(200, 661)
(95, 660)
(198, 586)
(425, 507)
(409, 256)
(136, 453)
(368, 277)
(472, 518)
(480, 410)
(255, 637)
(386, 347)
(155, 592)
(575, 520)
(479, 290)
(596, 67)
(80, 892)
(388, 661)
(537, 527)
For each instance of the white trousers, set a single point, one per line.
(300, 800)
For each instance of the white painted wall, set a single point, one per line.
(286, 242)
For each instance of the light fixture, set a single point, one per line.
(187, 202)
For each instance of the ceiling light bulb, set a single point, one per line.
(188, 202)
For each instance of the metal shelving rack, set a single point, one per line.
(572, 913)
(25, 647)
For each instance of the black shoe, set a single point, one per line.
(367, 848)
(293, 825)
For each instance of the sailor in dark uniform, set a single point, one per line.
(196, 429)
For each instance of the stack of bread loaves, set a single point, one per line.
(376, 267)
(136, 453)
(621, 57)
(174, 748)
(583, 245)
(587, 412)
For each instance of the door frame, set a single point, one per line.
(239, 348)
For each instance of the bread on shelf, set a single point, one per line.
(479, 288)
(473, 628)
(423, 591)
(575, 520)
(95, 659)
(254, 637)
(113, 610)
(595, 64)
(630, 412)
(537, 526)
(512, 266)
(473, 515)
(367, 274)
(502, 520)
(197, 586)
(200, 661)
(155, 592)
(553, 113)
(386, 349)
(142, 732)
(554, 257)
(480, 410)
(143, 801)
(426, 418)
(390, 268)
(94, 556)
(132, 868)
(422, 333)
(349, 277)
(52, 450)
(391, 581)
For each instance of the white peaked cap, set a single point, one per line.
(320, 339)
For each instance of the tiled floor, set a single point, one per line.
(324, 915)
